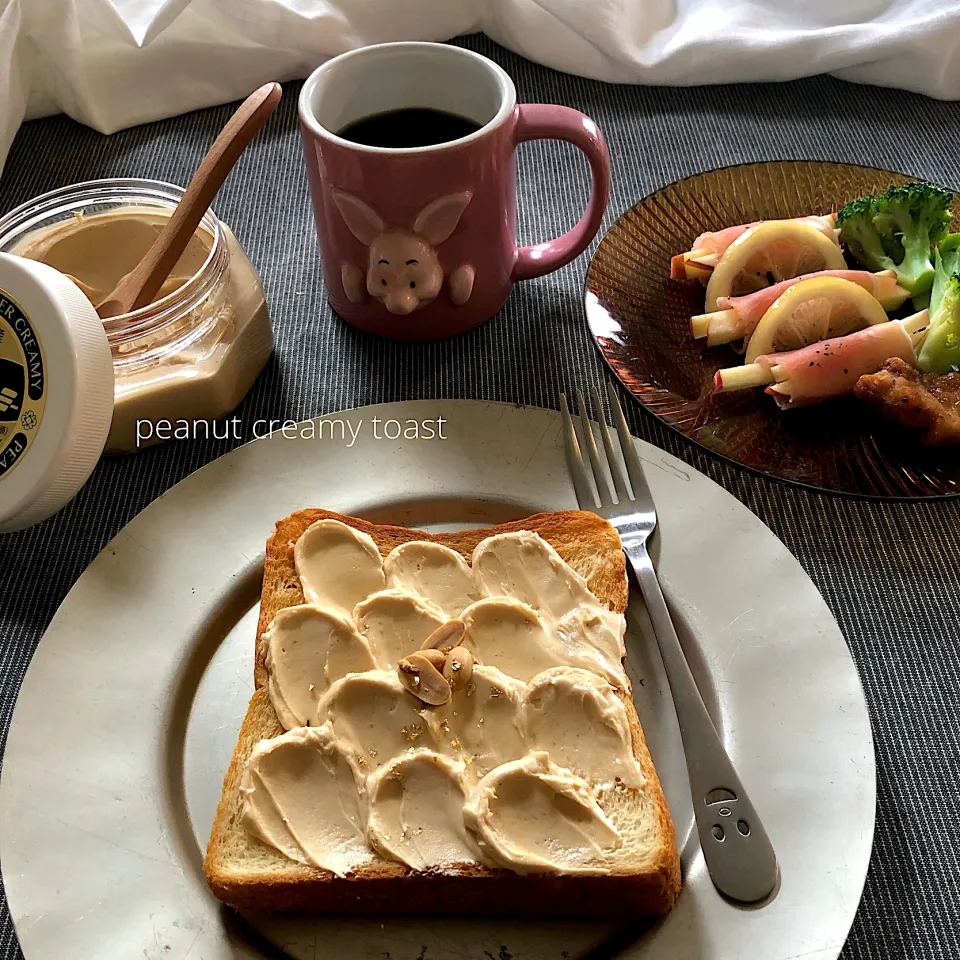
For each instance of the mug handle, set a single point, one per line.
(542, 121)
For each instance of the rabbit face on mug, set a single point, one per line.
(403, 269)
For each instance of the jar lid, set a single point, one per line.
(56, 391)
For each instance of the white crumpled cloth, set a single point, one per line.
(115, 63)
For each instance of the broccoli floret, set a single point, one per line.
(940, 352)
(918, 215)
(898, 230)
(862, 238)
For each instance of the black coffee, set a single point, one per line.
(411, 127)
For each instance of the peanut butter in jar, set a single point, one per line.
(196, 350)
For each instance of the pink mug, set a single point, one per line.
(419, 242)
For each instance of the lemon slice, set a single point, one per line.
(768, 253)
(814, 310)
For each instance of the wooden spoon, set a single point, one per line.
(141, 285)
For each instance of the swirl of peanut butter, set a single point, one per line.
(532, 816)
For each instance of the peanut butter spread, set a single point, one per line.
(395, 623)
(439, 713)
(483, 722)
(416, 812)
(337, 565)
(98, 251)
(534, 817)
(282, 813)
(433, 571)
(306, 649)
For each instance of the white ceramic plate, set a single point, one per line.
(129, 712)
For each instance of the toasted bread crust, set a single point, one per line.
(591, 546)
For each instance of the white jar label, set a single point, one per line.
(23, 383)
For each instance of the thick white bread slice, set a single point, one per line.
(645, 876)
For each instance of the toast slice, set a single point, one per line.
(250, 875)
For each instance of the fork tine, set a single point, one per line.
(581, 482)
(603, 488)
(641, 491)
(619, 479)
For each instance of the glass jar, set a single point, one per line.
(190, 356)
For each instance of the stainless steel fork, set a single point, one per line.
(736, 847)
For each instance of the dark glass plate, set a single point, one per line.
(640, 319)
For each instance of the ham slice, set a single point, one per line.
(829, 368)
(832, 368)
(751, 307)
(718, 241)
(698, 262)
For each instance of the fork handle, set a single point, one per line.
(737, 850)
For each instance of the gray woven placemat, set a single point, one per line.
(890, 572)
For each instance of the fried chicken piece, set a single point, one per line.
(926, 403)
